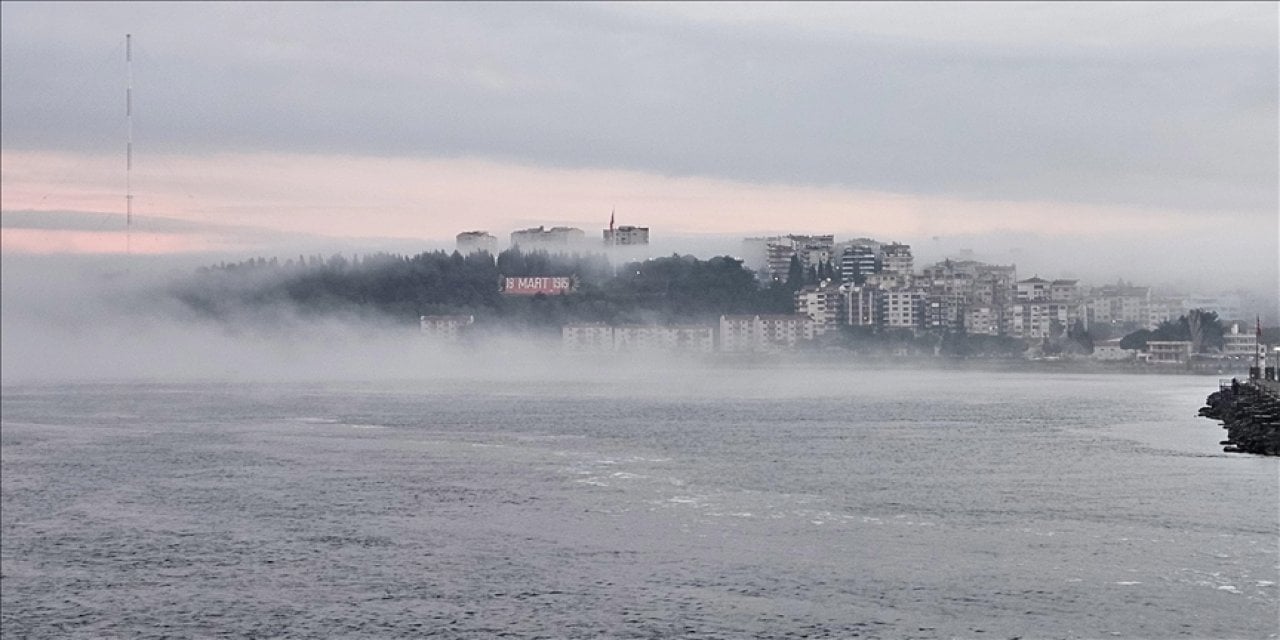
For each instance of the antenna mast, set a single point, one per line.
(128, 172)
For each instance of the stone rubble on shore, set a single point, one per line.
(1251, 417)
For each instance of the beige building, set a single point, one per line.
(822, 305)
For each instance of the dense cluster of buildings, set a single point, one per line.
(873, 284)
(867, 283)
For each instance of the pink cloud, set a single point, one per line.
(349, 196)
(52, 241)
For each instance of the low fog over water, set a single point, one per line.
(275, 473)
(95, 317)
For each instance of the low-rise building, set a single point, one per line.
(1111, 351)
(651, 338)
(590, 337)
(785, 330)
(444, 328)
(743, 333)
(1239, 343)
(626, 236)
(1169, 351)
(598, 337)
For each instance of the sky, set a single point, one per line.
(1089, 139)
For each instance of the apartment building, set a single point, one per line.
(469, 242)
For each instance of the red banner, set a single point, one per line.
(536, 284)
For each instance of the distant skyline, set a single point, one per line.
(1105, 125)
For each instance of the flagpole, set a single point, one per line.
(1257, 347)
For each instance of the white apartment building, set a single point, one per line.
(1159, 311)
(896, 258)
(778, 260)
(1065, 291)
(763, 332)
(860, 305)
(650, 338)
(555, 239)
(943, 311)
(739, 333)
(599, 338)
(626, 236)
(887, 280)
(822, 304)
(1120, 304)
(983, 320)
(1033, 289)
(902, 309)
(858, 260)
(785, 330)
(1034, 320)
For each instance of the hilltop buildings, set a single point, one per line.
(476, 241)
(876, 286)
(543, 239)
(626, 236)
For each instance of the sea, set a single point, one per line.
(701, 502)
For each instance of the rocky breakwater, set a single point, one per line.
(1250, 412)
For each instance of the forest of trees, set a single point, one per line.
(670, 289)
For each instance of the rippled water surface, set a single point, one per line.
(721, 503)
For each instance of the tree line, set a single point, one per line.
(670, 289)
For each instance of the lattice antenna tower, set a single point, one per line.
(128, 151)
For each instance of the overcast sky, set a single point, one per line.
(1085, 122)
